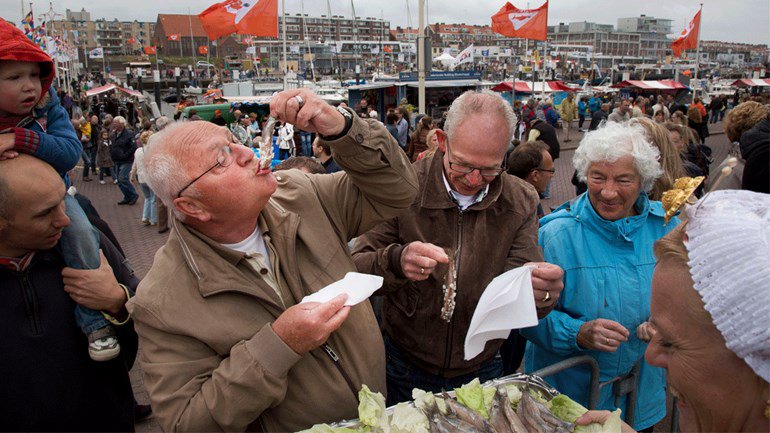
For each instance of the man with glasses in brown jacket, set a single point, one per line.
(226, 344)
(468, 208)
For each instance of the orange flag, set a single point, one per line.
(689, 37)
(521, 23)
(252, 17)
(173, 37)
(150, 50)
(203, 49)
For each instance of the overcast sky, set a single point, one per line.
(732, 21)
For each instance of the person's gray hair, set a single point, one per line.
(164, 169)
(485, 102)
(614, 141)
(120, 119)
(162, 122)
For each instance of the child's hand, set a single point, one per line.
(8, 154)
(7, 142)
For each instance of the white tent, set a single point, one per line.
(445, 58)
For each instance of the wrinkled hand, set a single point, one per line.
(304, 327)
(419, 259)
(96, 289)
(602, 334)
(546, 283)
(314, 116)
(601, 417)
(645, 331)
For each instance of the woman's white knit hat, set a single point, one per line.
(729, 249)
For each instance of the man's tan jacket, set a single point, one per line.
(210, 358)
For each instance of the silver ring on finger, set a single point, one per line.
(422, 271)
(300, 101)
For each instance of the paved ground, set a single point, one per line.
(141, 242)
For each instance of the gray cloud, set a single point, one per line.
(734, 21)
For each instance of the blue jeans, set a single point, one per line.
(714, 116)
(79, 246)
(89, 159)
(149, 212)
(403, 376)
(307, 144)
(122, 171)
(103, 171)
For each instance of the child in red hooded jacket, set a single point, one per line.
(32, 121)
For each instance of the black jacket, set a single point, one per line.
(596, 119)
(755, 148)
(48, 381)
(548, 136)
(123, 147)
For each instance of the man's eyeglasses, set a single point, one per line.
(552, 171)
(467, 169)
(224, 158)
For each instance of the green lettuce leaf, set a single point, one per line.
(565, 408)
(473, 396)
(514, 395)
(424, 399)
(371, 409)
(407, 419)
(326, 428)
(612, 425)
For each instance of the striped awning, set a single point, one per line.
(755, 82)
(651, 84)
(526, 87)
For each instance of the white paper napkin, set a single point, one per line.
(359, 287)
(507, 303)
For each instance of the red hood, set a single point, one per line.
(14, 45)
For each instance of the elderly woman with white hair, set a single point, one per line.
(603, 240)
(711, 315)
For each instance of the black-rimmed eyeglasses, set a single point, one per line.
(467, 169)
(224, 158)
(552, 171)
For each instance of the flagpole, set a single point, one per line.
(545, 53)
(283, 37)
(421, 58)
(697, 49)
(192, 45)
(382, 47)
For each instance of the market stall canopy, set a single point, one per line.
(108, 87)
(755, 82)
(526, 87)
(651, 85)
(444, 57)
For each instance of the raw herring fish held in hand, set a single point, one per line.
(266, 144)
(358, 287)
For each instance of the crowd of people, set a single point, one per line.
(438, 211)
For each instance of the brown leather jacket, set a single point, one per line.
(210, 358)
(492, 236)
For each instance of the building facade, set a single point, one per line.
(116, 37)
(653, 35)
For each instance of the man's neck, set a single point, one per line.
(324, 157)
(225, 233)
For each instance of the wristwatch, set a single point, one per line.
(348, 123)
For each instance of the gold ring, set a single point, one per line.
(300, 101)
(547, 296)
(607, 341)
(422, 271)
